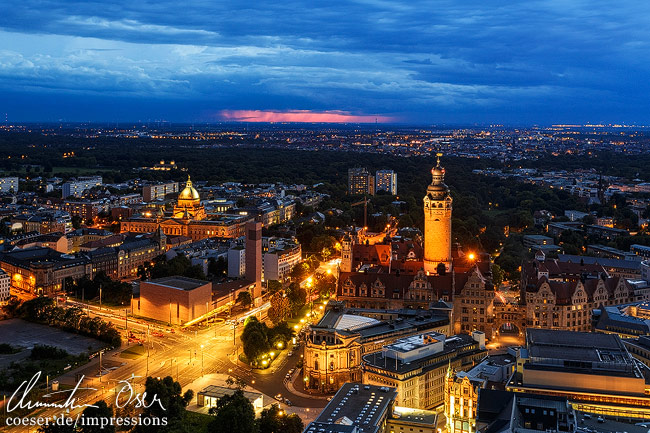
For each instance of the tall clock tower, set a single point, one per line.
(437, 223)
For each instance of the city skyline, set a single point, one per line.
(349, 62)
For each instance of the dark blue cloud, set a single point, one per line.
(424, 61)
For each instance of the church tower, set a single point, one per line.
(437, 223)
(346, 254)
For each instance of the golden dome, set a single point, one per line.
(189, 193)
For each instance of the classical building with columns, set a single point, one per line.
(189, 219)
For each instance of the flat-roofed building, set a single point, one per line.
(210, 395)
(158, 192)
(175, 300)
(359, 408)
(76, 187)
(594, 371)
(417, 366)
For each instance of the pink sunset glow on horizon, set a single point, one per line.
(300, 116)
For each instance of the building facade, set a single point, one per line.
(417, 366)
(386, 180)
(360, 182)
(175, 300)
(9, 184)
(158, 192)
(77, 186)
(334, 347)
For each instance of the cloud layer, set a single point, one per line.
(416, 61)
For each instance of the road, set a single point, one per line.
(184, 355)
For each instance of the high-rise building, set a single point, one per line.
(360, 182)
(437, 223)
(254, 256)
(8, 184)
(158, 192)
(78, 186)
(386, 180)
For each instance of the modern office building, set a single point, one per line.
(416, 366)
(594, 371)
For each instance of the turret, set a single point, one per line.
(437, 223)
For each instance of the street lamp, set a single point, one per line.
(201, 360)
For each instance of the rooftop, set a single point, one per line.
(178, 282)
(364, 405)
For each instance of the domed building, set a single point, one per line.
(189, 205)
(188, 221)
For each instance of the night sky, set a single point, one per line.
(428, 62)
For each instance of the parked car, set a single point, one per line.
(600, 419)
(287, 402)
(278, 397)
(289, 353)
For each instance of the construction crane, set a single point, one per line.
(364, 202)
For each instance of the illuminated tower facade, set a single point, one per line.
(437, 223)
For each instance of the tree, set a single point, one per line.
(280, 308)
(497, 275)
(297, 297)
(170, 403)
(217, 267)
(244, 298)
(233, 414)
(275, 420)
(254, 339)
(273, 286)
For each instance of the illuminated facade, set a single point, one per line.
(594, 371)
(334, 347)
(461, 402)
(437, 223)
(417, 366)
(189, 219)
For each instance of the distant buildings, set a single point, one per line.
(76, 187)
(386, 180)
(360, 182)
(8, 184)
(158, 192)
(189, 219)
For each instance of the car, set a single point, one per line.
(289, 353)
(329, 398)
(600, 419)
(587, 416)
(287, 376)
(291, 371)
(287, 402)
(278, 397)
